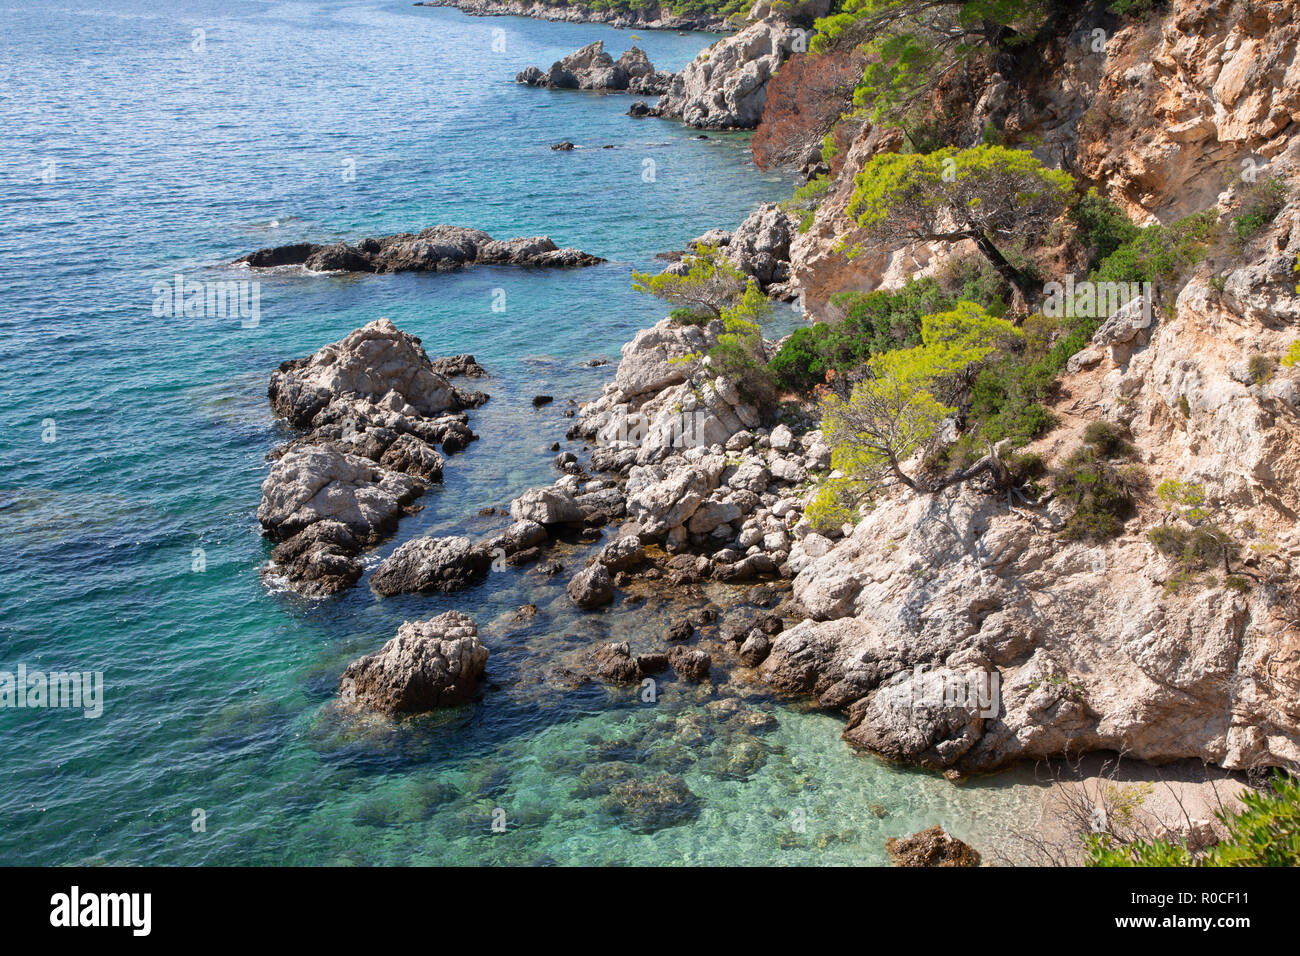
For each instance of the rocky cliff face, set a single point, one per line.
(1093, 646)
(1161, 115)
(725, 87)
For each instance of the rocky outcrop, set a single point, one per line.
(436, 249)
(932, 847)
(429, 664)
(684, 463)
(376, 369)
(432, 564)
(759, 248)
(372, 408)
(642, 18)
(591, 68)
(725, 87)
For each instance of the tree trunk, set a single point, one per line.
(1004, 268)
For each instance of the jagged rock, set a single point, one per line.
(760, 246)
(591, 68)
(378, 363)
(320, 560)
(621, 554)
(546, 506)
(436, 249)
(429, 664)
(614, 662)
(414, 457)
(458, 365)
(591, 587)
(432, 564)
(725, 86)
(690, 663)
(932, 847)
(755, 649)
(319, 483)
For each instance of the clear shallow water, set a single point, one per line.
(166, 159)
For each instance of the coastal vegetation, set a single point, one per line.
(1265, 832)
(987, 195)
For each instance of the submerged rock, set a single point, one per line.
(645, 806)
(429, 664)
(932, 847)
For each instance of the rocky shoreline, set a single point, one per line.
(662, 19)
(958, 631)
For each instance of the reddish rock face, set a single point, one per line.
(804, 99)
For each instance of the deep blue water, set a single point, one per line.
(135, 149)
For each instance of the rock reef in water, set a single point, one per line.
(591, 68)
(429, 664)
(436, 249)
(372, 409)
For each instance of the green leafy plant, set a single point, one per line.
(1101, 492)
(895, 411)
(987, 194)
(710, 285)
(1265, 832)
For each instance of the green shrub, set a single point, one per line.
(1160, 253)
(1101, 493)
(1102, 226)
(872, 323)
(1133, 8)
(1266, 832)
(1259, 207)
(1261, 368)
(1108, 439)
(688, 316)
(801, 364)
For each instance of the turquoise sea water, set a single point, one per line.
(135, 149)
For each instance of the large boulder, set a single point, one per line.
(320, 482)
(592, 587)
(429, 664)
(378, 362)
(432, 564)
(546, 506)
